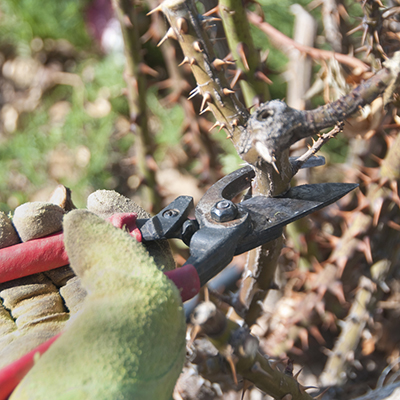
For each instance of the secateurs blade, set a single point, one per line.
(223, 229)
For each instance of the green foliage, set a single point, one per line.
(169, 121)
(29, 154)
(26, 19)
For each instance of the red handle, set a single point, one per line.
(11, 375)
(39, 255)
(46, 253)
(32, 257)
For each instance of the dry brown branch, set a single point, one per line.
(282, 41)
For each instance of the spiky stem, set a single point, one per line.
(136, 93)
(186, 27)
(236, 344)
(383, 255)
(237, 29)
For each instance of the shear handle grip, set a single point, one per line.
(52, 254)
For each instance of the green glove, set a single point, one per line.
(128, 341)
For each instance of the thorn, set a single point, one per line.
(223, 126)
(303, 389)
(126, 21)
(364, 35)
(246, 385)
(262, 77)
(184, 61)
(194, 93)
(214, 10)
(218, 63)
(193, 335)
(197, 46)
(242, 53)
(207, 24)
(238, 75)
(367, 250)
(356, 29)
(214, 126)
(376, 36)
(145, 69)
(157, 9)
(227, 91)
(182, 25)
(297, 373)
(233, 367)
(187, 60)
(336, 288)
(319, 397)
(317, 335)
(287, 397)
(229, 135)
(205, 110)
(169, 35)
(303, 335)
(235, 122)
(378, 204)
(360, 49)
(207, 98)
(275, 167)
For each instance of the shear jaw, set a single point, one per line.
(223, 229)
(228, 229)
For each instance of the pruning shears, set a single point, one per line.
(221, 229)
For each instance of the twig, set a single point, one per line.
(236, 344)
(281, 40)
(322, 139)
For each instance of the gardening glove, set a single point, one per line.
(35, 308)
(128, 340)
(32, 309)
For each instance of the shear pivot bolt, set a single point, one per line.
(224, 211)
(170, 213)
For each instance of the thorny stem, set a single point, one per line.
(208, 70)
(383, 244)
(322, 139)
(247, 58)
(353, 326)
(236, 343)
(136, 93)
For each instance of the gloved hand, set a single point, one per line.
(128, 341)
(35, 308)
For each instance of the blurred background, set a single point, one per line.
(65, 119)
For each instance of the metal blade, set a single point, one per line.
(271, 215)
